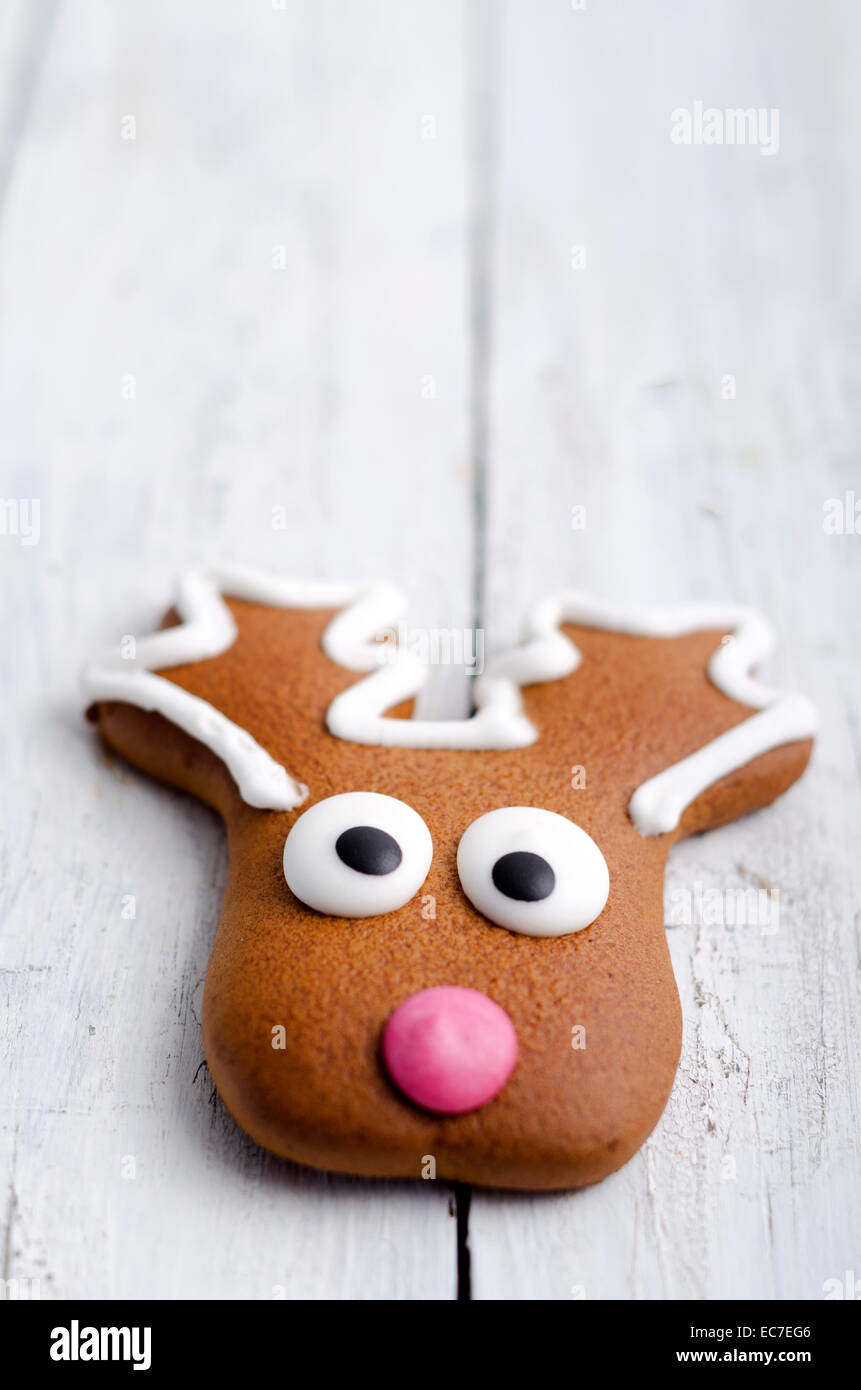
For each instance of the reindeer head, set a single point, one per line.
(416, 932)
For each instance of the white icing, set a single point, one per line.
(319, 877)
(658, 804)
(582, 880)
(207, 629)
(358, 714)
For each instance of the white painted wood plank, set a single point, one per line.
(165, 388)
(605, 391)
(25, 31)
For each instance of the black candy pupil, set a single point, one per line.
(524, 876)
(368, 850)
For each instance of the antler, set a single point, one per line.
(207, 629)
(358, 714)
(657, 805)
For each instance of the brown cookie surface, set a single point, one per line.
(324, 986)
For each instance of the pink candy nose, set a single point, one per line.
(449, 1049)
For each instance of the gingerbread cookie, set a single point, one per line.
(419, 914)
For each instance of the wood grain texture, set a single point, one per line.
(606, 393)
(423, 391)
(172, 396)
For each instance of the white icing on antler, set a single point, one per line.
(350, 639)
(207, 629)
(657, 805)
(358, 714)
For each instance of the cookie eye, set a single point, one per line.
(532, 871)
(357, 855)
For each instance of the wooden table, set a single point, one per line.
(345, 289)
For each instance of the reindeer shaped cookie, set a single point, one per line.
(419, 914)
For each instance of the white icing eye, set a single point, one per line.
(533, 871)
(359, 854)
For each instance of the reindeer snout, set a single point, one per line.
(449, 1049)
